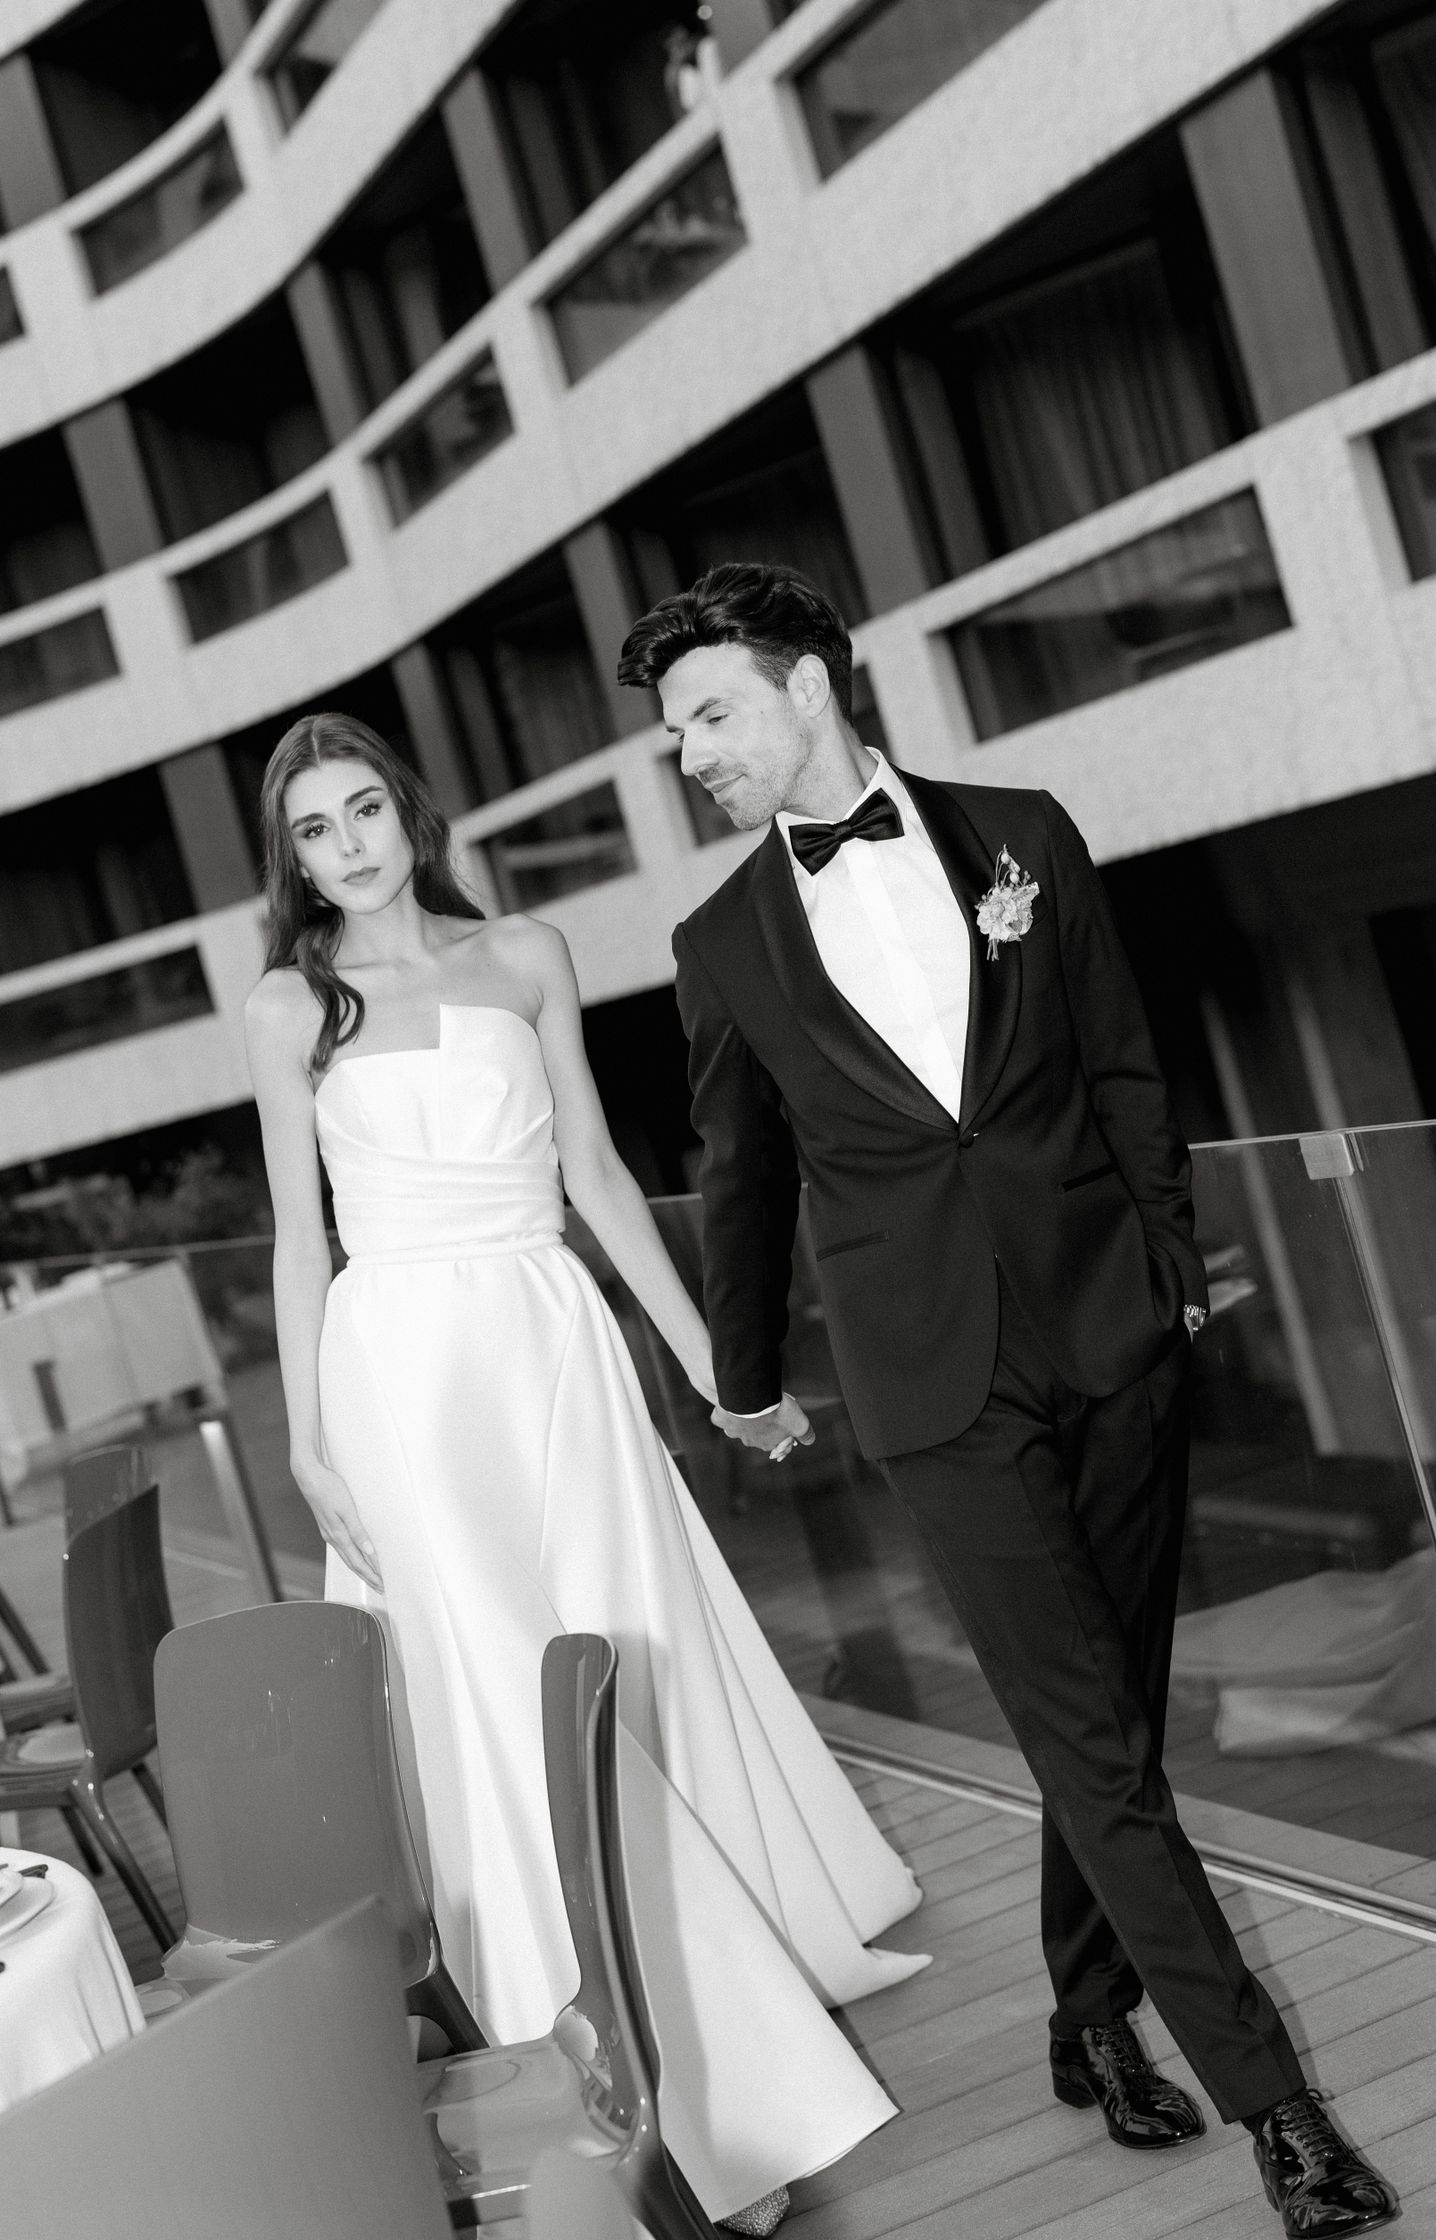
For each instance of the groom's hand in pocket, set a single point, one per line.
(775, 1432)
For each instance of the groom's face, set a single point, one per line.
(743, 738)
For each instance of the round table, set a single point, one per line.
(66, 1994)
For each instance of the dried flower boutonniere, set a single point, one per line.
(1004, 913)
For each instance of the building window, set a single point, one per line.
(88, 867)
(578, 843)
(1082, 357)
(161, 215)
(229, 423)
(677, 242)
(313, 52)
(116, 74)
(889, 61)
(1406, 449)
(134, 999)
(45, 541)
(521, 680)
(759, 490)
(263, 572)
(463, 422)
(583, 92)
(65, 658)
(1195, 588)
(12, 326)
(404, 265)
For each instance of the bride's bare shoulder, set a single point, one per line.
(281, 1010)
(520, 943)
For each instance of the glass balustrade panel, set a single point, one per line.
(1303, 1699)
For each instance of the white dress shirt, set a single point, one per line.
(892, 939)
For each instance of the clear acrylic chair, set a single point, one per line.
(102, 1479)
(280, 2107)
(117, 1611)
(277, 1753)
(591, 2086)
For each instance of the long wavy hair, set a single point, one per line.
(303, 929)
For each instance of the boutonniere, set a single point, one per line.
(1004, 913)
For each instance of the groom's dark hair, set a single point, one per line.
(775, 612)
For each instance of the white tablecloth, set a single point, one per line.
(66, 1993)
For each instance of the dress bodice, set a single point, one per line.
(436, 1154)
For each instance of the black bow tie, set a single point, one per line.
(877, 818)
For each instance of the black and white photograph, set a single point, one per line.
(717, 1119)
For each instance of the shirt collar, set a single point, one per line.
(884, 779)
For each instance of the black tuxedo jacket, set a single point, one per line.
(1066, 1166)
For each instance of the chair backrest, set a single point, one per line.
(281, 1786)
(580, 1722)
(281, 2104)
(117, 1612)
(101, 1479)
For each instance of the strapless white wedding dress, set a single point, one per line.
(479, 1401)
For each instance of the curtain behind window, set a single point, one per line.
(1406, 75)
(1086, 388)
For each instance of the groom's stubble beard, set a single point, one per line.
(759, 794)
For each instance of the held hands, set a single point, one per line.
(338, 1519)
(775, 1433)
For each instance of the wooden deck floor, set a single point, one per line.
(981, 2151)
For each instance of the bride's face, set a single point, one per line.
(347, 836)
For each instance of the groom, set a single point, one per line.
(912, 997)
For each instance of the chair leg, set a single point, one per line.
(439, 2000)
(94, 1864)
(91, 1803)
(153, 1795)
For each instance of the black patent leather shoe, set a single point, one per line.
(1105, 2067)
(1319, 2183)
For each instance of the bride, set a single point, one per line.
(467, 1427)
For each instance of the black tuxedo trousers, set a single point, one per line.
(1055, 1523)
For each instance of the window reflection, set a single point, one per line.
(1192, 589)
(577, 843)
(677, 242)
(11, 323)
(1406, 449)
(64, 658)
(168, 211)
(894, 57)
(462, 423)
(262, 572)
(158, 992)
(314, 50)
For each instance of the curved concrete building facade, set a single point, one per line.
(396, 352)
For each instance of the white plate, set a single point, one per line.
(12, 1882)
(35, 1894)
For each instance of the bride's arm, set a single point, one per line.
(278, 1029)
(596, 1179)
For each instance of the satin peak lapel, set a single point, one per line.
(828, 1019)
(995, 986)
